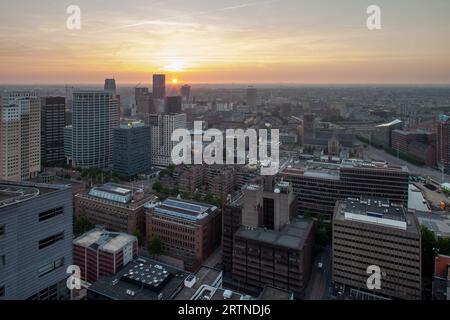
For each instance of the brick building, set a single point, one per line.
(101, 253)
(188, 230)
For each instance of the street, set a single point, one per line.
(372, 153)
(320, 281)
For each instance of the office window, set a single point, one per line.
(2, 291)
(51, 240)
(50, 267)
(50, 213)
(2, 260)
(2, 229)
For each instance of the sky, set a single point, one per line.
(226, 41)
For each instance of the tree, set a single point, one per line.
(139, 236)
(81, 225)
(157, 186)
(323, 231)
(154, 246)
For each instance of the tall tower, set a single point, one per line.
(52, 130)
(251, 97)
(443, 142)
(159, 86)
(95, 114)
(20, 136)
(110, 86)
(162, 127)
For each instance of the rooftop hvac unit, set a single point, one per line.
(227, 294)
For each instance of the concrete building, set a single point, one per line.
(161, 129)
(110, 86)
(189, 231)
(418, 144)
(159, 86)
(264, 244)
(94, 115)
(101, 253)
(117, 208)
(186, 92)
(382, 135)
(68, 133)
(52, 130)
(377, 232)
(35, 240)
(318, 185)
(251, 97)
(131, 149)
(143, 102)
(20, 136)
(173, 104)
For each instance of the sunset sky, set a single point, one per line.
(227, 41)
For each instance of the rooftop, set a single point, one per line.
(16, 192)
(99, 239)
(292, 235)
(204, 276)
(374, 210)
(142, 279)
(188, 210)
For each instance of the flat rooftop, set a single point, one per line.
(372, 210)
(184, 209)
(292, 235)
(142, 279)
(204, 276)
(331, 170)
(99, 239)
(16, 192)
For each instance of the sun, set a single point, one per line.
(175, 81)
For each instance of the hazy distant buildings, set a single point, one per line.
(95, 114)
(131, 149)
(143, 102)
(419, 145)
(382, 135)
(162, 127)
(110, 86)
(186, 92)
(159, 86)
(35, 240)
(173, 104)
(251, 97)
(52, 130)
(376, 232)
(20, 136)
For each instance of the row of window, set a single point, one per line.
(44, 243)
(50, 267)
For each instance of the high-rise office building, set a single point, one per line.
(173, 104)
(95, 114)
(143, 102)
(318, 185)
(110, 86)
(35, 240)
(159, 86)
(376, 233)
(131, 149)
(264, 244)
(20, 136)
(443, 142)
(162, 126)
(251, 97)
(186, 92)
(52, 130)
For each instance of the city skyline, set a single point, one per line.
(272, 41)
